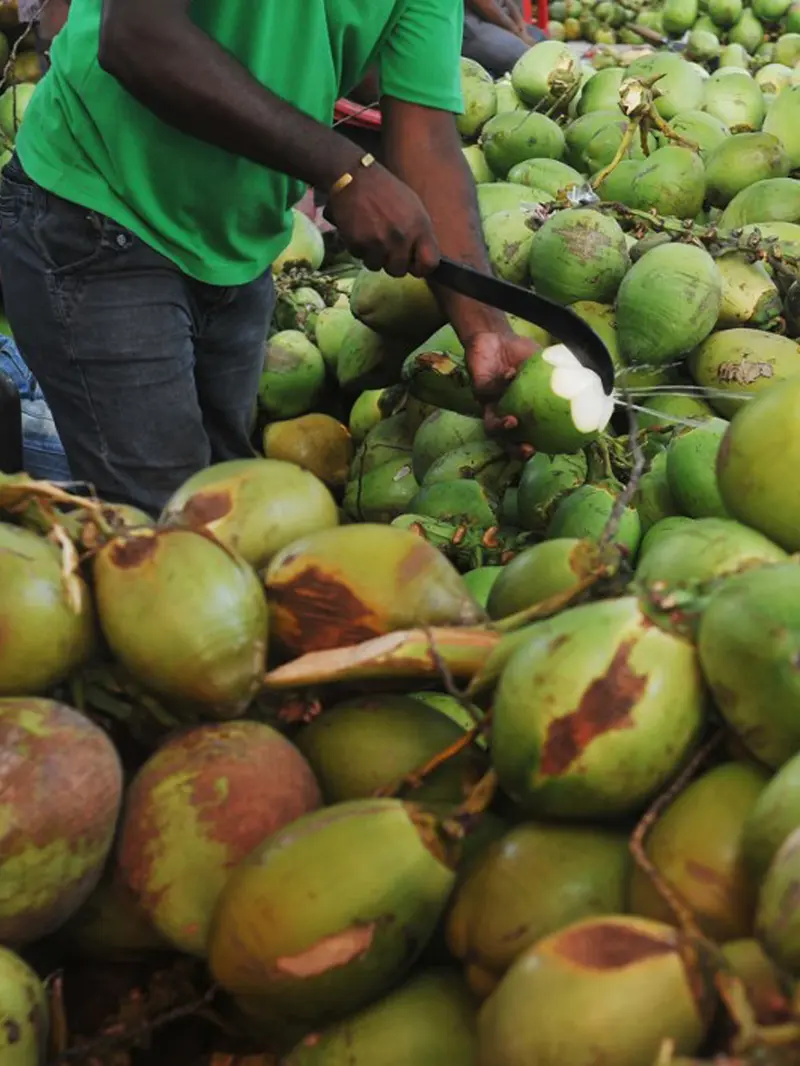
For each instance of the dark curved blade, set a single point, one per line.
(562, 323)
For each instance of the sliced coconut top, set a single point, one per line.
(590, 408)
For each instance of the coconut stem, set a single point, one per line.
(416, 777)
(639, 463)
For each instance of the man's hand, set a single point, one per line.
(493, 360)
(384, 223)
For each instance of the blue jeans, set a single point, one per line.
(150, 375)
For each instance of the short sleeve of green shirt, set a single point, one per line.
(420, 60)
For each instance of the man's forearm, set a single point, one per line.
(424, 150)
(156, 56)
(491, 11)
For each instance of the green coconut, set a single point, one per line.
(545, 480)
(531, 883)
(479, 96)
(507, 98)
(440, 433)
(654, 500)
(701, 129)
(749, 295)
(748, 32)
(506, 195)
(603, 320)
(696, 847)
(293, 378)
(787, 46)
(769, 200)
(322, 595)
(725, 13)
(538, 573)
(678, 16)
(702, 550)
(680, 85)
(429, 1021)
(668, 409)
(362, 745)
(614, 989)
(734, 55)
(757, 462)
(330, 329)
(764, 984)
(601, 92)
(367, 412)
(388, 440)
(368, 359)
(205, 640)
(737, 364)
(255, 507)
(671, 182)
(604, 146)
(476, 161)
(772, 79)
(399, 307)
(793, 18)
(196, 809)
(702, 46)
(748, 644)
(60, 793)
(317, 443)
(618, 186)
(509, 237)
(559, 404)
(778, 915)
(775, 814)
(547, 175)
(692, 470)
(297, 309)
(458, 501)
(305, 248)
(783, 121)
(481, 581)
(585, 514)
(580, 132)
(47, 621)
(548, 72)
(509, 509)
(578, 254)
(558, 741)
(511, 138)
(312, 954)
(735, 99)
(24, 1013)
(438, 378)
(742, 160)
(381, 494)
(485, 462)
(667, 304)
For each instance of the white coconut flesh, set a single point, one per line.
(590, 408)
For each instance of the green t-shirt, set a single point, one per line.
(220, 218)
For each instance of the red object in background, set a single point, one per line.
(542, 20)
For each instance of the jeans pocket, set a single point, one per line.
(69, 237)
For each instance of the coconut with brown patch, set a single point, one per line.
(594, 711)
(199, 806)
(605, 990)
(531, 883)
(343, 586)
(258, 506)
(24, 1022)
(60, 791)
(330, 912)
(185, 616)
(696, 846)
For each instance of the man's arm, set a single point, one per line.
(424, 150)
(494, 12)
(157, 53)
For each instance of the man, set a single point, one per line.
(156, 167)
(496, 34)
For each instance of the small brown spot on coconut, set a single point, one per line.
(316, 611)
(611, 946)
(705, 875)
(206, 507)
(330, 953)
(745, 372)
(13, 1031)
(131, 552)
(606, 705)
